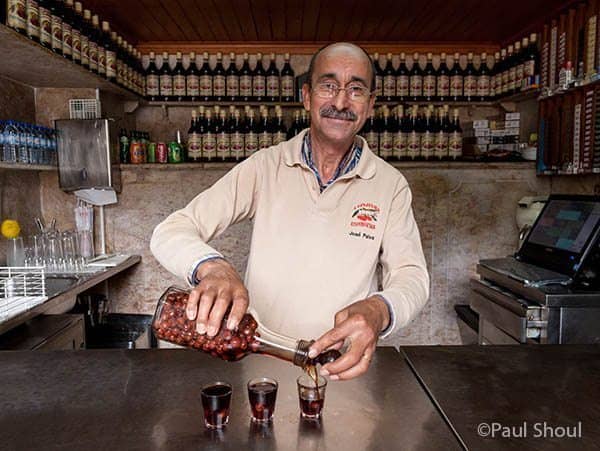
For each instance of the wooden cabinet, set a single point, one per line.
(48, 333)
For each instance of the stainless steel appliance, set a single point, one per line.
(549, 293)
(88, 154)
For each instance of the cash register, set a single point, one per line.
(549, 291)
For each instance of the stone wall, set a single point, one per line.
(465, 212)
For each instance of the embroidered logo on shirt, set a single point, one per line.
(364, 216)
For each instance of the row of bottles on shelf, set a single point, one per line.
(27, 143)
(215, 134)
(68, 29)
(512, 70)
(414, 133)
(258, 84)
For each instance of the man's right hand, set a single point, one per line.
(220, 285)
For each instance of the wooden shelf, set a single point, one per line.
(32, 64)
(27, 167)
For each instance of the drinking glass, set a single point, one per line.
(54, 253)
(86, 244)
(311, 396)
(68, 246)
(15, 253)
(262, 394)
(216, 399)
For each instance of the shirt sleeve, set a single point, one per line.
(405, 279)
(180, 241)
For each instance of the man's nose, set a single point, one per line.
(340, 101)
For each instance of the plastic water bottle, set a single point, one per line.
(2, 125)
(10, 142)
(22, 152)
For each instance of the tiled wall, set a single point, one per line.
(464, 214)
(19, 189)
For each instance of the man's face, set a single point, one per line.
(339, 119)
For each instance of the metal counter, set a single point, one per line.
(84, 282)
(150, 399)
(519, 387)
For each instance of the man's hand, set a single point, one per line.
(220, 285)
(361, 324)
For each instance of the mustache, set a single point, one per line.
(333, 113)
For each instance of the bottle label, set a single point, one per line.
(287, 86)
(389, 86)
(93, 51)
(512, 76)
(246, 85)
(209, 146)
(441, 145)
(416, 85)
(427, 145)
(237, 145)
(56, 32)
(456, 86)
(273, 86)
(414, 144)
(17, 14)
(400, 145)
(455, 145)
(223, 150)
(120, 71)
(373, 142)
(519, 74)
(45, 26)
(233, 85)
(33, 19)
(101, 60)
(251, 143)
(219, 85)
(483, 86)
(258, 86)
(402, 86)
(378, 85)
(429, 86)
(111, 64)
(470, 86)
(529, 68)
(67, 41)
(179, 85)
(278, 137)
(386, 145)
(85, 50)
(76, 47)
(205, 85)
(443, 86)
(193, 85)
(265, 140)
(166, 85)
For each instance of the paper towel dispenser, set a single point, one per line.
(88, 154)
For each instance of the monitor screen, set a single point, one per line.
(566, 224)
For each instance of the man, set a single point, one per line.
(326, 211)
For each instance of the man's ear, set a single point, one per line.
(306, 96)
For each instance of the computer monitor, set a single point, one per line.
(563, 234)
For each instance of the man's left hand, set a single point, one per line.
(359, 323)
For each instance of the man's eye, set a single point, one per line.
(356, 89)
(329, 86)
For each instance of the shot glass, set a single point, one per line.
(311, 396)
(216, 399)
(262, 394)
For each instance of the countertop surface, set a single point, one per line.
(81, 282)
(515, 389)
(150, 399)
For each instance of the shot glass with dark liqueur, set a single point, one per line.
(311, 396)
(216, 399)
(262, 394)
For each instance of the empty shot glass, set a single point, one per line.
(311, 396)
(216, 399)
(262, 394)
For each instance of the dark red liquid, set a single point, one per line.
(262, 396)
(215, 401)
(311, 407)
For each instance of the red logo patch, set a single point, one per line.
(365, 215)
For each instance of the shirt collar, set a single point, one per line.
(365, 168)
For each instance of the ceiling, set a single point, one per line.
(492, 21)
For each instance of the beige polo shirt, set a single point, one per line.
(312, 253)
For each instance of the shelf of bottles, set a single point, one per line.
(27, 146)
(67, 29)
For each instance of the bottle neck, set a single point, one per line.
(286, 348)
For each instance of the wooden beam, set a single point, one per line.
(308, 48)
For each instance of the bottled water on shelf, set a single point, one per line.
(27, 144)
